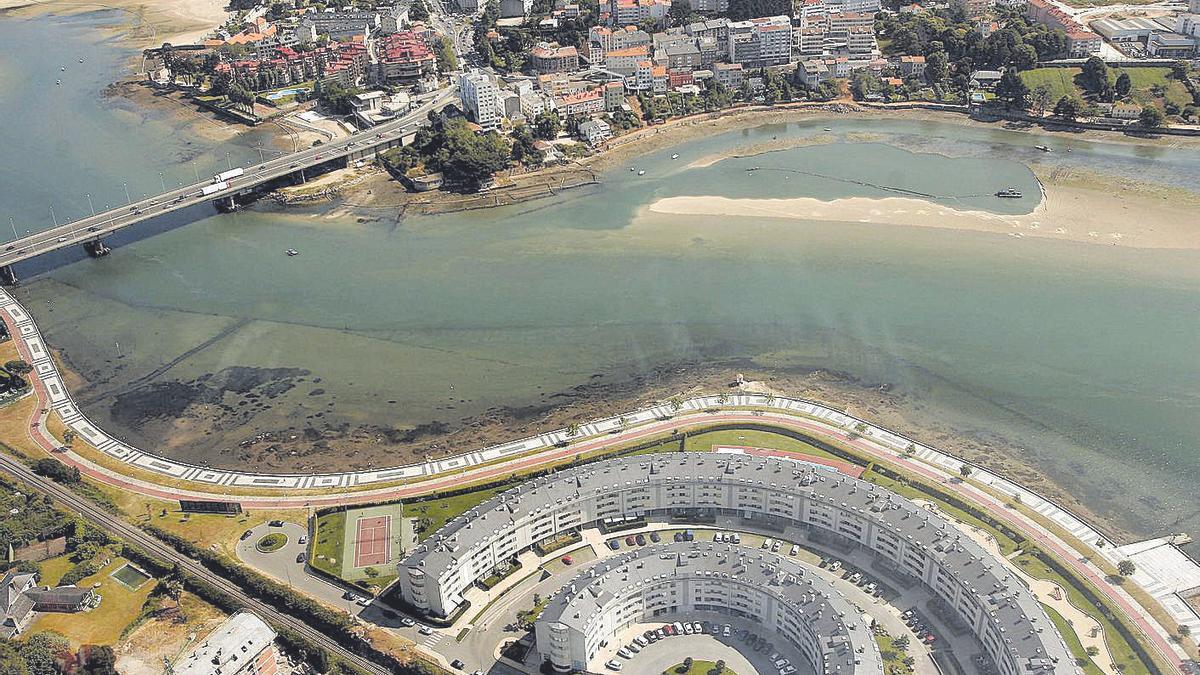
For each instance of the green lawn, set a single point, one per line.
(440, 511)
(326, 552)
(1061, 82)
(104, 624)
(698, 668)
(1073, 643)
(272, 542)
(893, 655)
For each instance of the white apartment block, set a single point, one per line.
(766, 41)
(878, 528)
(480, 97)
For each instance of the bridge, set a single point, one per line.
(90, 230)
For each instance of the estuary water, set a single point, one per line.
(1083, 354)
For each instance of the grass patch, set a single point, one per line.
(104, 624)
(272, 542)
(1060, 81)
(698, 668)
(1068, 632)
(327, 543)
(895, 656)
(434, 513)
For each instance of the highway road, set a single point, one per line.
(95, 226)
(125, 531)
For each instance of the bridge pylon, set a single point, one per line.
(8, 276)
(96, 249)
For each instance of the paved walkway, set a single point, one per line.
(789, 413)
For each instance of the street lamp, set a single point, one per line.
(52, 216)
(128, 199)
(228, 161)
(163, 181)
(261, 158)
(13, 223)
(93, 208)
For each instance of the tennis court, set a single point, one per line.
(372, 541)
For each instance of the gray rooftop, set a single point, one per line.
(836, 622)
(1009, 601)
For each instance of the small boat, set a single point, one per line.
(754, 168)
(58, 82)
(292, 252)
(675, 156)
(828, 128)
(1009, 193)
(642, 172)
(633, 168)
(81, 60)
(64, 69)
(1043, 148)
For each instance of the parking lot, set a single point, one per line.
(736, 650)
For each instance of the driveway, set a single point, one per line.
(282, 566)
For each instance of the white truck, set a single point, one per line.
(214, 188)
(225, 176)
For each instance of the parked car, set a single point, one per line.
(630, 541)
(425, 630)
(568, 560)
(613, 664)
(276, 523)
(457, 664)
(406, 621)
(654, 537)
(641, 540)
(300, 557)
(246, 535)
(614, 544)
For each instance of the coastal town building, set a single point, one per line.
(580, 103)
(1081, 42)
(343, 62)
(896, 537)
(637, 12)
(765, 41)
(614, 96)
(243, 645)
(549, 57)
(403, 57)
(975, 8)
(911, 66)
(661, 582)
(595, 131)
(480, 98)
(341, 26)
(728, 75)
(707, 6)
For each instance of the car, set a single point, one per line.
(719, 537)
(726, 630)
(767, 543)
(737, 538)
(630, 541)
(296, 164)
(425, 630)
(613, 664)
(632, 648)
(697, 628)
(660, 634)
(640, 640)
(775, 546)
(654, 537)
(62, 239)
(457, 664)
(641, 540)
(624, 653)
(678, 628)
(930, 639)
(837, 565)
(678, 536)
(9, 248)
(276, 523)
(687, 629)
(795, 549)
(137, 212)
(299, 557)
(787, 670)
(567, 560)
(406, 621)
(92, 228)
(317, 157)
(302, 540)
(246, 535)
(614, 544)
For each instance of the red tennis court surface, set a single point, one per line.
(372, 541)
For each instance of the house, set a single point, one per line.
(1081, 42)
(985, 79)
(683, 56)
(16, 608)
(614, 96)
(729, 75)
(975, 8)
(912, 66)
(63, 599)
(1125, 111)
(1166, 45)
(595, 132)
(812, 73)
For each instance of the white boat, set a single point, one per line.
(642, 172)
(675, 156)
(828, 128)
(633, 168)
(1043, 148)
(81, 60)
(292, 252)
(58, 82)
(64, 69)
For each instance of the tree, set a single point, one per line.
(1012, 90)
(1179, 70)
(419, 11)
(470, 158)
(444, 50)
(1040, 98)
(1094, 76)
(100, 661)
(11, 661)
(1124, 85)
(1126, 568)
(1151, 117)
(1092, 651)
(964, 471)
(720, 667)
(17, 366)
(40, 651)
(687, 665)
(676, 403)
(573, 429)
(723, 398)
(901, 642)
(1068, 108)
(523, 149)
(1184, 630)
(937, 67)
(547, 126)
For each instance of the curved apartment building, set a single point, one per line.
(875, 525)
(655, 582)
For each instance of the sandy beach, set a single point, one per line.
(150, 22)
(1066, 213)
